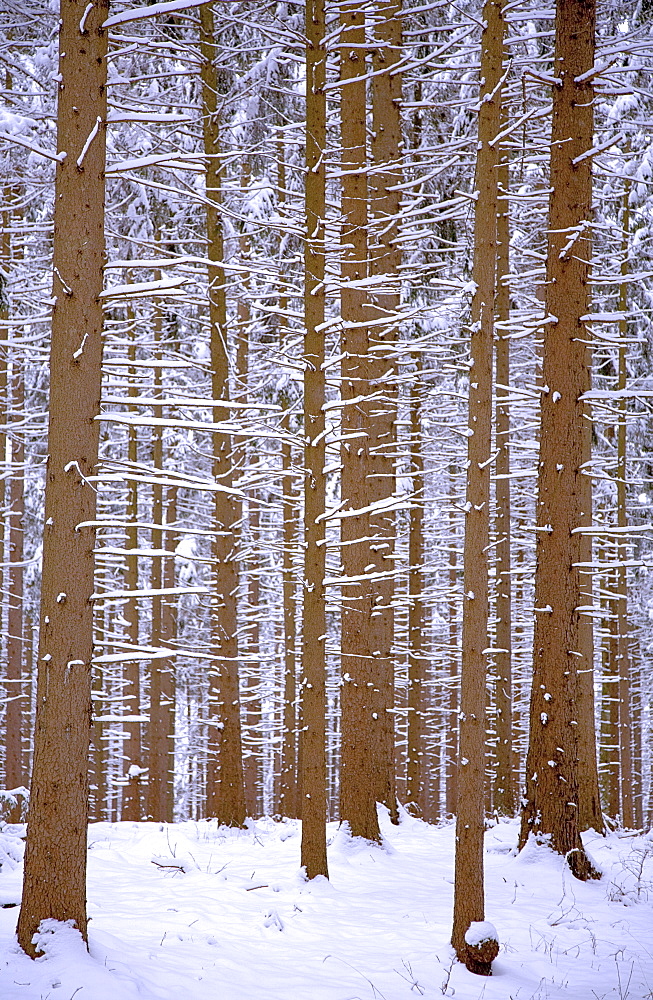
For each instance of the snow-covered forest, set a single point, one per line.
(325, 416)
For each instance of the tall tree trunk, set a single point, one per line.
(638, 748)
(590, 814)
(289, 800)
(132, 809)
(609, 743)
(98, 804)
(469, 904)
(385, 298)
(250, 581)
(289, 791)
(288, 786)
(251, 682)
(225, 795)
(551, 801)
(6, 218)
(169, 638)
(417, 656)
(158, 797)
(623, 667)
(14, 770)
(504, 784)
(364, 643)
(453, 681)
(313, 732)
(55, 857)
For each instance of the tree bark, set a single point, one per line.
(313, 706)
(225, 796)
(289, 802)
(5, 256)
(469, 902)
(417, 653)
(14, 769)
(623, 665)
(638, 748)
(251, 666)
(361, 771)
(609, 743)
(132, 809)
(504, 782)
(590, 814)
(385, 260)
(453, 682)
(552, 778)
(55, 858)
(98, 802)
(160, 727)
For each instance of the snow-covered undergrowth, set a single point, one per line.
(193, 911)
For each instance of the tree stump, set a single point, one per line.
(481, 947)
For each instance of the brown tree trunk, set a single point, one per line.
(225, 794)
(14, 770)
(504, 783)
(168, 637)
(132, 809)
(6, 217)
(453, 681)
(158, 803)
(609, 744)
(385, 260)
(417, 655)
(12, 517)
(469, 902)
(289, 801)
(590, 814)
(364, 644)
(289, 790)
(251, 681)
(289, 793)
(638, 748)
(551, 801)
(313, 708)
(250, 580)
(55, 858)
(623, 667)
(98, 756)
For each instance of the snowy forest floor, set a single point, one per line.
(194, 911)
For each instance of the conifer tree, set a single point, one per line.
(469, 904)
(552, 776)
(225, 789)
(55, 858)
(504, 784)
(313, 670)
(361, 768)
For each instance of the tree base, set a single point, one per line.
(580, 865)
(478, 958)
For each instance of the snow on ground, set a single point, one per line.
(193, 911)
